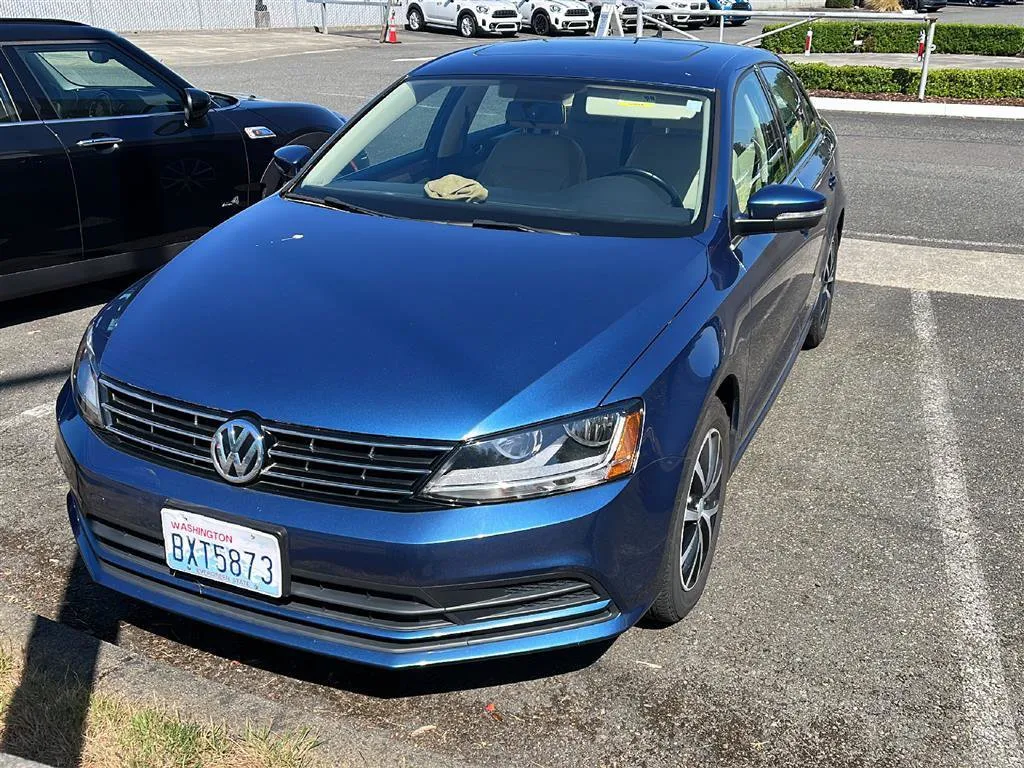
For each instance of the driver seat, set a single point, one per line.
(673, 155)
(537, 158)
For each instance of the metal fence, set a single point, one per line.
(155, 15)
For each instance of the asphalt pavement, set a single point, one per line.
(864, 608)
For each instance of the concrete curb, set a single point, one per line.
(138, 679)
(11, 761)
(921, 109)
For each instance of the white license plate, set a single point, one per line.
(213, 549)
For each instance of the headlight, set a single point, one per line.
(482, 9)
(85, 380)
(558, 456)
(556, 9)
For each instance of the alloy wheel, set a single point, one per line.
(415, 20)
(466, 26)
(703, 500)
(828, 283)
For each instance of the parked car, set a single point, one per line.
(729, 5)
(924, 6)
(469, 19)
(111, 163)
(678, 13)
(487, 362)
(552, 17)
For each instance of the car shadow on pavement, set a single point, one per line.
(40, 305)
(46, 717)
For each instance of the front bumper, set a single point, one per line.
(500, 26)
(392, 589)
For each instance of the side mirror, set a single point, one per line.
(780, 208)
(197, 104)
(290, 159)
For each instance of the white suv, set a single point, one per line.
(549, 17)
(469, 18)
(679, 13)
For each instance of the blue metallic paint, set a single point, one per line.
(351, 332)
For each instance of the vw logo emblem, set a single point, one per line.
(238, 451)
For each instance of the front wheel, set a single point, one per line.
(414, 19)
(823, 307)
(542, 24)
(467, 25)
(693, 532)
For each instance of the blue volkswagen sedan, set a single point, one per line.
(473, 383)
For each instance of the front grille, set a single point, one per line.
(504, 14)
(302, 461)
(629, 11)
(379, 616)
(577, 12)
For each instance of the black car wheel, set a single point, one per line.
(467, 25)
(693, 532)
(823, 307)
(542, 24)
(414, 19)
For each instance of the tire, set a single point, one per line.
(467, 25)
(823, 306)
(272, 180)
(693, 532)
(541, 24)
(414, 20)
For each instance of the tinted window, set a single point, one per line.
(7, 114)
(758, 157)
(797, 115)
(409, 131)
(97, 80)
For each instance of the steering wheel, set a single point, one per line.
(641, 173)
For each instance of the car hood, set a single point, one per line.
(313, 316)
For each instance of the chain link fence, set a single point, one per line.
(153, 15)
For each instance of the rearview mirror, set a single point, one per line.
(197, 104)
(290, 159)
(780, 208)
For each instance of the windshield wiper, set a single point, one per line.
(489, 224)
(339, 205)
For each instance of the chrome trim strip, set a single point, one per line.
(157, 424)
(276, 430)
(159, 446)
(142, 395)
(277, 453)
(271, 473)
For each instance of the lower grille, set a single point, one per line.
(378, 616)
(301, 461)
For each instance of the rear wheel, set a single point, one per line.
(467, 25)
(542, 24)
(823, 307)
(414, 19)
(693, 534)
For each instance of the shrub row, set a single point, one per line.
(839, 3)
(942, 83)
(899, 37)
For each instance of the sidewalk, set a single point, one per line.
(909, 60)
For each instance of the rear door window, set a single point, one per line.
(7, 112)
(796, 114)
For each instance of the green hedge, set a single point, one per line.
(899, 37)
(942, 83)
(839, 3)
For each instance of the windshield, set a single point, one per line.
(549, 154)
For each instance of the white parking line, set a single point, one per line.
(990, 718)
(35, 412)
(927, 240)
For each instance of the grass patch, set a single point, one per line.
(899, 37)
(122, 734)
(942, 83)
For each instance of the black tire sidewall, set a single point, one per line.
(544, 28)
(472, 19)
(679, 601)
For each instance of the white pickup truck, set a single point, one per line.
(469, 17)
(552, 17)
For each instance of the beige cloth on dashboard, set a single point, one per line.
(455, 187)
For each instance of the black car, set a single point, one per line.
(111, 163)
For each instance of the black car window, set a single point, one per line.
(797, 115)
(7, 112)
(758, 155)
(97, 80)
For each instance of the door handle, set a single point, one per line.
(100, 142)
(832, 181)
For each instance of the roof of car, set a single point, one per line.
(644, 60)
(48, 29)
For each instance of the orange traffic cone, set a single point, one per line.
(392, 29)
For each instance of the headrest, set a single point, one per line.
(535, 114)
